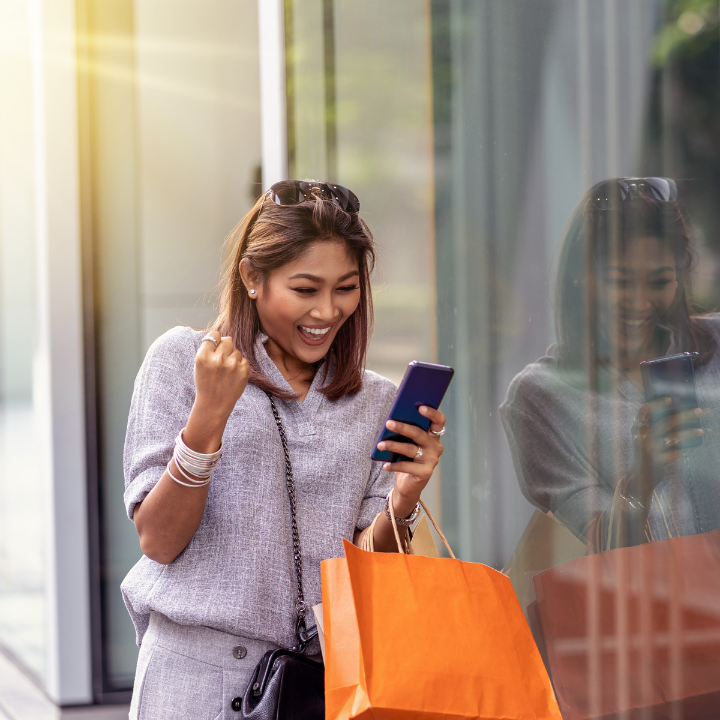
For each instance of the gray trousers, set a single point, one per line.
(191, 672)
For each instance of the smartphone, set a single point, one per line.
(674, 377)
(423, 384)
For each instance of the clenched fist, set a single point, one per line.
(221, 375)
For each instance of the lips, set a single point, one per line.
(632, 325)
(314, 334)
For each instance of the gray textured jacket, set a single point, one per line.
(236, 574)
(551, 421)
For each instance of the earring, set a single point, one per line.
(252, 292)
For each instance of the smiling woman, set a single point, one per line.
(304, 305)
(274, 404)
(586, 446)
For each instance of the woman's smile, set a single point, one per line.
(639, 289)
(315, 334)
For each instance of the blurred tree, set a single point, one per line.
(684, 124)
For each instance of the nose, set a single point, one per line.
(637, 299)
(325, 310)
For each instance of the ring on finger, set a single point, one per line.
(437, 433)
(210, 337)
(418, 454)
(670, 441)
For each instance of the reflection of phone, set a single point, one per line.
(423, 384)
(674, 377)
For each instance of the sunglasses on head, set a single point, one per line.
(293, 192)
(628, 189)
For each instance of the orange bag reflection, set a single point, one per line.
(635, 632)
(408, 636)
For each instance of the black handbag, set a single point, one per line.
(287, 685)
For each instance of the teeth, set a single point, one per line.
(315, 331)
(634, 322)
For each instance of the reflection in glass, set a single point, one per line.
(586, 446)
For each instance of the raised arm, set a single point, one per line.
(169, 516)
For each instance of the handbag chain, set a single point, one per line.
(303, 635)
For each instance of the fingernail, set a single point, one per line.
(698, 412)
(668, 400)
(701, 432)
(390, 424)
(423, 409)
(386, 466)
(381, 446)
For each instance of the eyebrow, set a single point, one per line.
(658, 271)
(316, 279)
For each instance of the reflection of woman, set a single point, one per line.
(585, 445)
(218, 584)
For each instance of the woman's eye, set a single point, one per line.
(305, 291)
(660, 284)
(348, 288)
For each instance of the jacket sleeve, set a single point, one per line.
(162, 398)
(553, 467)
(380, 481)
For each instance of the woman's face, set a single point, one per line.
(639, 288)
(303, 304)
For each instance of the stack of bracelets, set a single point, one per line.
(195, 467)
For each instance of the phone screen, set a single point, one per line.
(423, 384)
(673, 377)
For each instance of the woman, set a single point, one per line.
(616, 470)
(216, 587)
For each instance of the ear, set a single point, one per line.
(251, 279)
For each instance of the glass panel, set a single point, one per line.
(23, 482)
(534, 103)
(549, 453)
(175, 159)
(353, 122)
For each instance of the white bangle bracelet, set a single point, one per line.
(204, 478)
(180, 482)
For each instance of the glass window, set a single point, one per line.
(477, 135)
(361, 116)
(549, 280)
(23, 477)
(174, 127)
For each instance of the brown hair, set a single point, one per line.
(593, 236)
(279, 235)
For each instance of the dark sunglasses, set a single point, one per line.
(293, 192)
(627, 190)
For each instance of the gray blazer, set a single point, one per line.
(236, 574)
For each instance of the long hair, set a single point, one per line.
(277, 236)
(593, 236)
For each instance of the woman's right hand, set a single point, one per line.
(657, 441)
(221, 376)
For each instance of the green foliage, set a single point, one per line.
(691, 28)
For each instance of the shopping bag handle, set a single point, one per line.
(431, 518)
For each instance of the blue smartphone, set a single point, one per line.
(674, 377)
(423, 384)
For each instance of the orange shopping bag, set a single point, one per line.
(408, 636)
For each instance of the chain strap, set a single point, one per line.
(300, 605)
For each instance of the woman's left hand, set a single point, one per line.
(411, 476)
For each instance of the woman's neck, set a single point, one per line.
(299, 374)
